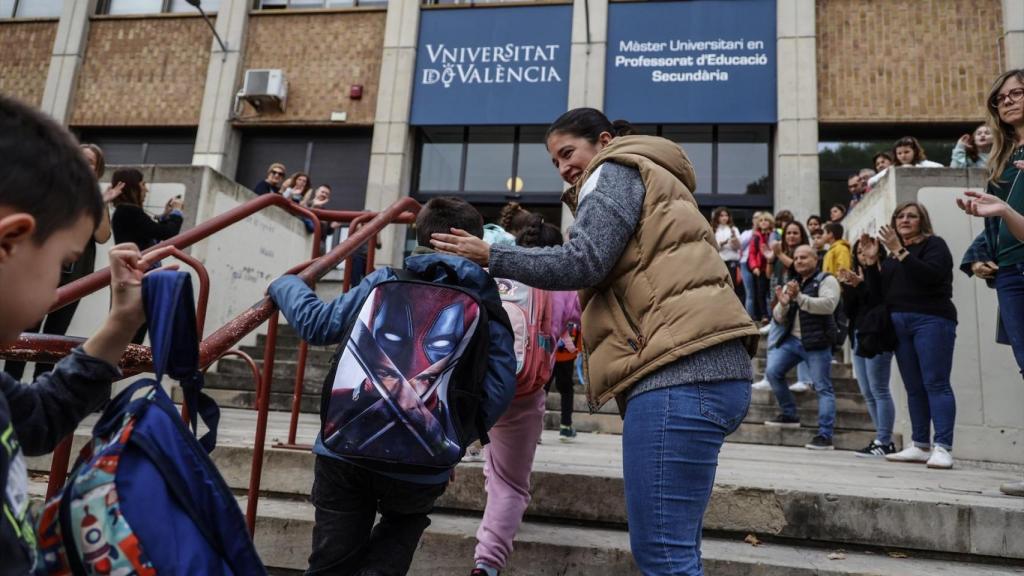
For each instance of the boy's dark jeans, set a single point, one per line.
(347, 499)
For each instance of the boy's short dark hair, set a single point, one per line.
(442, 214)
(47, 175)
(835, 229)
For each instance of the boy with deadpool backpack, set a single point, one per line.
(425, 366)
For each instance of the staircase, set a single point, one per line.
(231, 385)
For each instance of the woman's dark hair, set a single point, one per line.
(717, 213)
(841, 207)
(132, 193)
(884, 154)
(97, 153)
(529, 229)
(589, 124)
(442, 214)
(783, 216)
(882, 255)
(926, 220)
(813, 217)
(508, 214)
(47, 176)
(910, 142)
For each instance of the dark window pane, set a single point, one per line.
(306, 4)
(743, 160)
(169, 152)
(535, 170)
(119, 153)
(696, 141)
(40, 8)
(343, 163)
(645, 129)
(259, 151)
(134, 147)
(440, 159)
(489, 159)
(135, 7)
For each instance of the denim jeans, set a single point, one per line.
(347, 499)
(924, 354)
(1010, 291)
(748, 287)
(803, 370)
(873, 380)
(782, 359)
(670, 444)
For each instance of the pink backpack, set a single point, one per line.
(529, 311)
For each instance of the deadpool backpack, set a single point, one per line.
(404, 390)
(529, 312)
(144, 498)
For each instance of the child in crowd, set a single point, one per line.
(37, 239)
(972, 150)
(837, 213)
(839, 257)
(813, 224)
(348, 495)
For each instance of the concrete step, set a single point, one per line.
(246, 400)
(244, 382)
(542, 549)
(315, 371)
(838, 371)
(843, 439)
(314, 354)
(848, 421)
(832, 498)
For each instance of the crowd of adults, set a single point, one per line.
(889, 294)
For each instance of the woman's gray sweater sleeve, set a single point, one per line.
(607, 217)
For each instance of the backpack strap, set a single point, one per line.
(171, 317)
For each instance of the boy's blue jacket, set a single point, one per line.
(322, 323)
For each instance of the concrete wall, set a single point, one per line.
(906, 60)
(987, 384)
(322, 55)
(241, 260)
(25, 47)
(143, 71)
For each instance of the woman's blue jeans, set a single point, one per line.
(873, 379)
(1010, 292)
(670, 444)
(924, 354)
(748, 287)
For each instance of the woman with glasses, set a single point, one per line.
(58, 321)
(273, 181)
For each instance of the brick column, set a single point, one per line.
(217, 142)
(1013, 34)
(66, 59)
(796, 134)
(391, 154)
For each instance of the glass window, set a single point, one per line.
(39, 8)
(306, 4)
(535, 170)
(440, 159)
(697, 142)
(135, 6)
(6, 8)
(209, 6)
(489, 159)
(743, 160)
(133, 147)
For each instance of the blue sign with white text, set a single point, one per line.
(505, 65)
(696, 62)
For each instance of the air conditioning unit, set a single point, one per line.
(265, 88)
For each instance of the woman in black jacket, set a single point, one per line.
(131, 223)
(862, 298)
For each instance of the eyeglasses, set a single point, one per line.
(277, 173)
(1011, 97)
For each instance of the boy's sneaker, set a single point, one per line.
(783, 421)
(940, 458)
(911, 454)
(876, 449)
(566, 433)
(819, 442)
(761, 384)
(474, 453)
(484, 570)
(1012, 489)
(799, 387)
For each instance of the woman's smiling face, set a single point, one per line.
(572, 154)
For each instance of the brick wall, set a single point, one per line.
(321, 54)
(906, 60)
(143, 72)
(26, 49)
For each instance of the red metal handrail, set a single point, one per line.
(32, 347)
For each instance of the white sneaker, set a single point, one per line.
(764, 330)
(911, 454)
(762, 384)
(799, 387)
(941, 458)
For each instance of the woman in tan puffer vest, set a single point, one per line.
(663, 332)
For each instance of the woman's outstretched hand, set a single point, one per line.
(462, 243)
(981, 204)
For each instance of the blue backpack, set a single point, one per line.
(144, 497)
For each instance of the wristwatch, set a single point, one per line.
(900, 254)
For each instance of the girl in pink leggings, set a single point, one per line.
(508, 459)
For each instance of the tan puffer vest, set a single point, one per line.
(670, 294)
